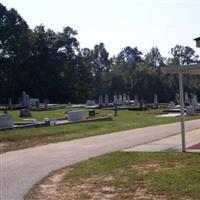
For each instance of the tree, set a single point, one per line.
(14, 50)
(53, 56)
(183, 55)
(154, 58)
(100, 63)
(128, 62)
(80, 86)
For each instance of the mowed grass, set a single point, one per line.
(40, 115)
(28, 137)
(126, 175)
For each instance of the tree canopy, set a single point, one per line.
(51, 65)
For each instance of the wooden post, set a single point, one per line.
(182, 110)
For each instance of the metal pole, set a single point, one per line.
(182, 110)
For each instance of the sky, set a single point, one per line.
(118, 23)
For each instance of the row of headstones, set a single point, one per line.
(25, 101)
(192, 101)
(122, 99)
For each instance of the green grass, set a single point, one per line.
(40, 115)
(159, 175)
(23, 138)
(178, 182)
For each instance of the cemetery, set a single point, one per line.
(76, 113)
(85, 120)
(30, 115)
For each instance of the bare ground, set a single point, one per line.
(97, 187)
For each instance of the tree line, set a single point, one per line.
(51, 65)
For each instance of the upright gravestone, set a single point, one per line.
(128, 99)
(120, 99)
(10, 105)
(190, 110)
(195, 104)
(77, 115)
(25, 112)
(100, 100)
(136, 102)
(27, 104)
(34, 102)
(155, 101)
(177, 99)
(46, 102)
(6, 121)
(124, 98)
(115, 99)
(23, 102)
(187, 99)
(90, 103)
(172, 104)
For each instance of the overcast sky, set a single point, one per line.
(118, 23)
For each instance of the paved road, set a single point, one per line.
(20, 170)
(171, 143)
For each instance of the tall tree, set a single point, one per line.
(154, 58)
(14, 50)
(128, 62)
(53, 55)
(183, 55)
(100, 63)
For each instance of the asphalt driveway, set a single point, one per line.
(21, 169)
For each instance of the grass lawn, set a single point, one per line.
(40, 115)
(28, 137)
(125, 176)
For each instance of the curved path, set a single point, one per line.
(21, 169)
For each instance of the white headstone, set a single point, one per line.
(34, 102)
(27, 101)
(6, 121)
(195, 104)
(124, 98)
(187, 100)
(177, 98)
(100, 100)
(195, 99)
(77, 115)
(115, 98)
(120, 99)
(23, 98)
(90, 103)
(136, 102)
(190, 110)
(155, 101)
(10, 104)
(128, 98)
(171, 104)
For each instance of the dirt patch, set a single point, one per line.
(98, 187)
(142, 194)
(145, 168)
(4, 144)
(48, 188)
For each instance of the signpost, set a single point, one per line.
(180, 78)
(181, 70)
